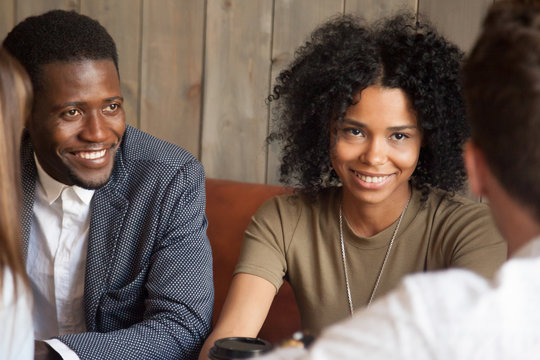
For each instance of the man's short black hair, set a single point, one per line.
(501, 81)
(59, 35)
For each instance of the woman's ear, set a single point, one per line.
(475, 163)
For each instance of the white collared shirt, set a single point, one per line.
(57, 256)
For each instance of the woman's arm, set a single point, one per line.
(244, 311)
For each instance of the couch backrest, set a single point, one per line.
(229, 208)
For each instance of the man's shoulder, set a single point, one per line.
(436, 286)
(138, 146)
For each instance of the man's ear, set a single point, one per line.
(475, 163)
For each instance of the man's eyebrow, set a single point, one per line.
(115, 98)
(68, 104)
(80, 103)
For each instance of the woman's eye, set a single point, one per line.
(399, 136)
(353, 131)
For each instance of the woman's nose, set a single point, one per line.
(375, 152)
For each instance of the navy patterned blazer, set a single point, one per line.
(148, 291)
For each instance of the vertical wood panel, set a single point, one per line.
(459, 20)
(172, 58)
(27, 8)
(237, 69)
(294, 20)
(372, 10)
(121, 18)
(7, 17)
(163, 49)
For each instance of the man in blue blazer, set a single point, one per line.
(113, 223)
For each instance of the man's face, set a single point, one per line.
(78, 121)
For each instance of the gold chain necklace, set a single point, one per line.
(344, 256)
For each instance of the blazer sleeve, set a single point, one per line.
(179, 285)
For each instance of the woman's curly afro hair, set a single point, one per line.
(343, 57)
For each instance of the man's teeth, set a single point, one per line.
(92, 154)
(371, 179)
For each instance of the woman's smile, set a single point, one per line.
(371, 181)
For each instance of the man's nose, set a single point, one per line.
(94, 127)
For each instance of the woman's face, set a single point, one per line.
(377, 147)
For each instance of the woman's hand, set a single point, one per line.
(244, 311)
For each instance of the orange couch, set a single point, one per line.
(229, 207)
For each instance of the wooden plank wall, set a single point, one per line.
(197, 72)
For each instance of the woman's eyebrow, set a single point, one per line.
(405, 127)
(354, 122)
(392, 128)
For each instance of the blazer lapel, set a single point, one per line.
(108, 211)
(28, 177)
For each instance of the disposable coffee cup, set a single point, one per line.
(233, 348)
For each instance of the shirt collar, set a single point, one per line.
(53, 189)
(530, 249)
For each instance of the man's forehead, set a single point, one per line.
(66, 70)
(59, 67)
(54, 73)
(79, 81)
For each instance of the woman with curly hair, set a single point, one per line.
(372, 123)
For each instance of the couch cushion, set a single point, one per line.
(229, 208)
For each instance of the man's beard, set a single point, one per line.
(89, 184)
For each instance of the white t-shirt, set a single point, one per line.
(452, 314)
(16, 331)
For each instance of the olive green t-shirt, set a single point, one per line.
(293, 238)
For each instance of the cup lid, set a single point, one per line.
(239, 348)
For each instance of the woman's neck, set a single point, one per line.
(367, 219)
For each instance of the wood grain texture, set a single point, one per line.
(171, 72)
(122, 19)
(25, 8)
(372, 10)
(458, 20)
(294, 20)
(7, 17)
(172, 50)
(237, 71)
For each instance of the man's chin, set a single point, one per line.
(90, 183)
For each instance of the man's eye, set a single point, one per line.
(112, 107)
(72, 112)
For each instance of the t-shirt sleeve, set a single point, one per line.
(266, 240)
(472, 240)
